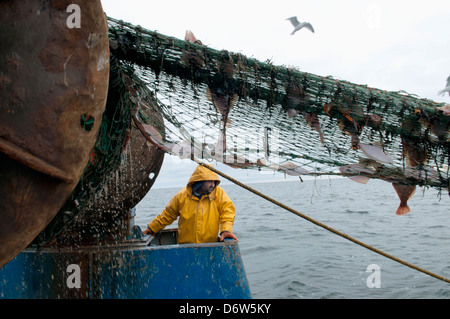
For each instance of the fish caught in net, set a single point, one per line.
(248, 114)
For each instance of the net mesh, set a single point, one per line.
(253, 115)
(223, 106)
(106, 157)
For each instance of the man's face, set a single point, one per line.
(207, 187)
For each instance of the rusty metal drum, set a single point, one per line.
(54, 72)
(108, 216)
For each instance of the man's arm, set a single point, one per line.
(227, 234)
(167, 217)
(226, 215)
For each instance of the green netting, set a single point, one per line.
(223, 106)
(249, 114)
(108, 149)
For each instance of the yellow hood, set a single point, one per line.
(201, 173)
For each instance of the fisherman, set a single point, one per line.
(202, 208)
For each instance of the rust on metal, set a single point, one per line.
(33, 162)
(106, 218)
(52, 77)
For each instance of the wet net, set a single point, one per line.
(223, 106)
(107, 155)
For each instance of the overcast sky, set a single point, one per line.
(390, 45)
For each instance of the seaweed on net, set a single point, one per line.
(106, 156)
(254, 115)
(248, 114)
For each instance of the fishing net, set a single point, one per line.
(107, 155)
(223, 106)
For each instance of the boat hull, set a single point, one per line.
(192, 271)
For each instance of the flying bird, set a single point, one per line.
(299, 25)
(446, 89)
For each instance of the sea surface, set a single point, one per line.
(288, 257)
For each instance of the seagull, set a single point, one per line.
(447, 88)
(298, 25)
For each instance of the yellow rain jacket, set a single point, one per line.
(199, 219)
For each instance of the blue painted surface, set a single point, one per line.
(165, 271)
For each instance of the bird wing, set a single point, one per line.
(446, 89)
(442, 92)
(294, 21)
(309, 27)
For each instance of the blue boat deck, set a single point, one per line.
(143, 268)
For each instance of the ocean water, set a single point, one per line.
(288, 257)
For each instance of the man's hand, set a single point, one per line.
(148, 231)
(227, 234)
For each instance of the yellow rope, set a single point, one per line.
(323, 225)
